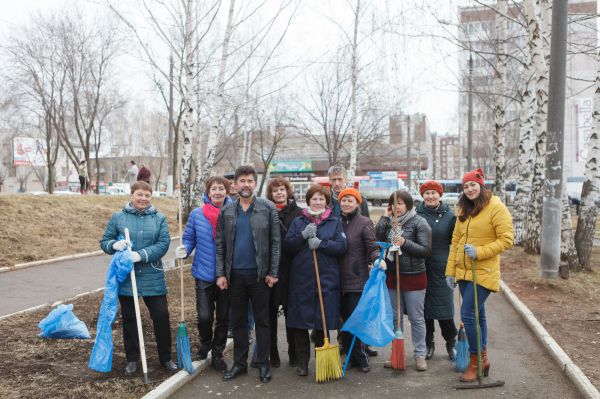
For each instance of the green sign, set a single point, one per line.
(290, 166)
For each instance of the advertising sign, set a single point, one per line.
(28, 151)
(585, 107)
(290, 166)
(383, 175)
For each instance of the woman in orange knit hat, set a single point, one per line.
(483, 231)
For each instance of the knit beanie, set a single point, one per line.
(431, 185)
(475, 175)
(350, 191)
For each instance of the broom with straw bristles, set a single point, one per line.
(327, 357)
(184, 356)
(398, 342)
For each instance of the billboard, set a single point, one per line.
(290, 166)
(28, 151)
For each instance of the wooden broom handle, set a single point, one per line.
(179, 262)
(398, 297)
(320, 294)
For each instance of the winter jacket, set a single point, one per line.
(150, 238)
(337, 210)
(199, 235)
(491, 232)
(439, 298)
(144, 174)
(362, 251)
(264, 222)
(416, 248)
(280, 289)
(304, 310)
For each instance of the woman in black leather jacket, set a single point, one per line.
(410, 235)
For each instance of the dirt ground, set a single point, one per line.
(34, 367)
(43, 227)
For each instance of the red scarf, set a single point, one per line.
(211, 212)
(319, 219)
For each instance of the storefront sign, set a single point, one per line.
(290, 166)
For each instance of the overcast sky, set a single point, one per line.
(425, 65)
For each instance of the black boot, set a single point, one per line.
(450, 348)
(430, 350)
(274, 358)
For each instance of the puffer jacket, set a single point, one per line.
(491, 232)
(416, 248)
(266, 235)
(439, 304)
(198, 235)
(362, 250)
(149, 234)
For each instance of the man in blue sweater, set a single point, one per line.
(248, 242)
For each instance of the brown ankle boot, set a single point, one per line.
(470, 373)
(485, 363)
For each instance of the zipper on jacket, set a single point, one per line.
(464, 255)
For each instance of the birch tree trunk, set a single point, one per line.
(189, 119)
(588, 212)
(525, 161)
(211, 143)
(568, 252)
(533, 221)
(500, 100)
(354, 148)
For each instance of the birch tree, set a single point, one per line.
(588, 211)
(354, 79)
(500, 99)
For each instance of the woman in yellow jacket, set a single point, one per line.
(483, 231)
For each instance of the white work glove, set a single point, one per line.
(380, 264)
(309, 231)
(451, 282)
(136, 257)
(313, 243)
(120, 245)
(181, 252)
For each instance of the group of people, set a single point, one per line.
(262, 253)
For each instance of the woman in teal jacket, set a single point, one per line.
(149, 234)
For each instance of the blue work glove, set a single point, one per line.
(309, 231)
(313, 243)
(451, 281)
(471, 251)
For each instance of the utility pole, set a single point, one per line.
(408, 150)
(170, 139)
(552, 206)
(470, 118)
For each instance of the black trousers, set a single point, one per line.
(212, 304)
(359, 351)
(273, 313)
(244, 287)
(302, 344)
(448, 328)
(159, 312)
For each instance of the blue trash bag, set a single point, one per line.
(102, 353)
(372, 318)
(61, 322)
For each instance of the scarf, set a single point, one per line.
(211, 213)
(281, 206)
(316, 217)
(396, 232)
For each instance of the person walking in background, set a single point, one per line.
(83, 177)
(149, 234)
(316, 229)
(279, 191)
(439, 299)
(248, 243)
(410, 234)
(144, 174)
(354, 270)
(132, 173)
(199, 235)
(483, 231)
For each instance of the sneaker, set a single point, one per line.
(420, 363)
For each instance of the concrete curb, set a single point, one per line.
(573, 372)
(178, 380)
(19, 266)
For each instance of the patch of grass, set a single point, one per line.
(43, 227)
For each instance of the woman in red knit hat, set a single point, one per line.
(483, 231)
(439, 298)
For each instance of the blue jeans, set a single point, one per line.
(467, 313)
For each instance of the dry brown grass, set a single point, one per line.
(43, 227)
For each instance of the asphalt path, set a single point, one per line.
(37, 285)
(515, 354)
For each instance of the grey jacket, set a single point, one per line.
(264, 222)
(416, 248)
